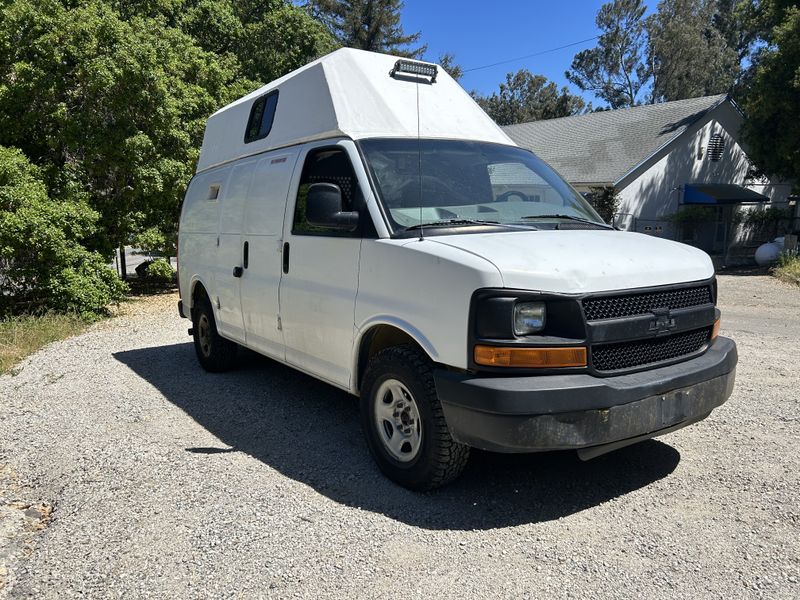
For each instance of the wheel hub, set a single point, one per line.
(204, 335)
(397, 420)
(403, 418)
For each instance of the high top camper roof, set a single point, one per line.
(348, 93)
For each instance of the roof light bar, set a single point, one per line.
(413, 67)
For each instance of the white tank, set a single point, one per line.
(767, 254)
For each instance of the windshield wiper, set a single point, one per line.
(570, 218)
(457, 223)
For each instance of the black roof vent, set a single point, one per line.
(716, 146)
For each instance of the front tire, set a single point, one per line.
(403, 421)
(214, 352)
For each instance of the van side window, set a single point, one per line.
(325, 165)
(262, 114)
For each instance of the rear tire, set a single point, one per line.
(403, 421)
(215, 353)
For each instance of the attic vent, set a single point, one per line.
(213, 191)
(716, 145)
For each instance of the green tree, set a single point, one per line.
(527, 97)
(213, 24)
(268, 38)
(771, 100)
(616, 69)
(448, 62)
(43, 264)
(109, 98)
(115, 106)
(112, 96)
(373, 25)
(690, 57)
(278, 38)
(732, 19)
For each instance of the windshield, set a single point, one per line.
(465, 182)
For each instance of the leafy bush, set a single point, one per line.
(153, 241)
(87, 287)
(757, 220)
(43, 264)
(692, 215)
(605, 201)
(161, 270)
(788, 268)
(689, 219)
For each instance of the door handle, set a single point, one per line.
(246, 254)
(237, 271)
(286, 257)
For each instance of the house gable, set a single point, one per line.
(653, 191)
(600, 148)
(724, 119)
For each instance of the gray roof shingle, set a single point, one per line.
(601, 147)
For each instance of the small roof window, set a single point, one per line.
(262, 114)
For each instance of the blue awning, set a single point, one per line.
(720, 193)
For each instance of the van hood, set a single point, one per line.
(574, 262)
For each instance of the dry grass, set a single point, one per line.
(22, 336)
(788, 269)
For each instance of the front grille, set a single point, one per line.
(627, 355)
(613, 307)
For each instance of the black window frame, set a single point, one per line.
(365, 229)
(261, 99)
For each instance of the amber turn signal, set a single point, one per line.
(715, 330)
(530, 358)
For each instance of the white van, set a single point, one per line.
(364, 221)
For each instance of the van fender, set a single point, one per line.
(193, 283)
(401, 324)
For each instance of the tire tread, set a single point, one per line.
(223, 351)
(449, 457)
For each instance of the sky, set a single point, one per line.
(483, 33)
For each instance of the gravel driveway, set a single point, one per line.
(126, 471)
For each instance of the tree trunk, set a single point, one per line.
(123, 267)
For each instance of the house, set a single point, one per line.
(662, 159)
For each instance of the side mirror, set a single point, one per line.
(324, 208)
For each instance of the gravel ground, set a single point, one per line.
(128, 472)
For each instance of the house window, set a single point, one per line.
(716, 146)
(262, 114)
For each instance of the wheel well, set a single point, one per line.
(379, 338)
(198, 293)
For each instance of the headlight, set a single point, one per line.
(528, 317)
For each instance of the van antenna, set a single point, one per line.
(419, 169)
(402, 68)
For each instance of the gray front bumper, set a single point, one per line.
(557, 412)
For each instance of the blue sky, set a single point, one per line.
(481, 33)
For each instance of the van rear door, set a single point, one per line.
(228, 272)
(261, 232)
